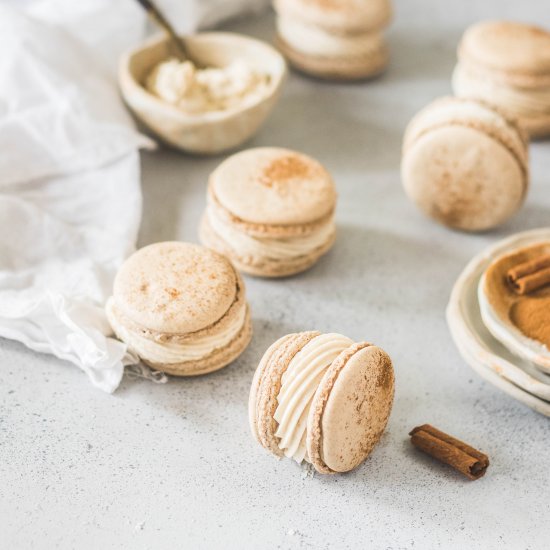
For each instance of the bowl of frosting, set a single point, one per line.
(212, 102)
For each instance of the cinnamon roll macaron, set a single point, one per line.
(322, 399)
(270, 211)
(181, 308)
(465, 163)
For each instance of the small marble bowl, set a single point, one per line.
(212, 132)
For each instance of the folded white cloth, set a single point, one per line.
(70, 200)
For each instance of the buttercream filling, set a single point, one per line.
(527, 102)
(268, 248)
(298, 386)
(313, 40)
(169, 352)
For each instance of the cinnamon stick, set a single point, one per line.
(445, 448)
(530, 276)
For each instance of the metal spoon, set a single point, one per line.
(157, 16)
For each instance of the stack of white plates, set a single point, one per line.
(518, 377)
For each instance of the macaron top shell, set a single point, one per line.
(475, 114)
(507, 47)
(273, 186)
(351, 408)
(175, 287)
(339, 15)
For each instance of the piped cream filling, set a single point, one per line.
(526, 102)
(170, 353)
(313, 40)
(298, 386)
(266, 248)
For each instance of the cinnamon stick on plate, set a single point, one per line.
(530, 276)
(467, 460)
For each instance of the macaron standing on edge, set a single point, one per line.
(334, 39)
(507, 64)
(181, 308)
(271, 211)
(465, 163)
(321, 398)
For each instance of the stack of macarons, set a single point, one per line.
(271, 211)
(465, 163)
(508, 64)
(335, 39)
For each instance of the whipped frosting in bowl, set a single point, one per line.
(196, 91)
(215, 101)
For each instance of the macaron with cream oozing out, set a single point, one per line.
(181, 308)
(514, 300)
(465, 163)
(334, 39)
(508, 64)
(321, 398)
(271, 211)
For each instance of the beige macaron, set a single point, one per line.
(508, 64)
(465, 164)
(334, 39)
(321, 398)
(181, 308)
(271, 211)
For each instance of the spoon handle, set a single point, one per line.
(159, 18)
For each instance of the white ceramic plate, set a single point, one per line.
(514, 375)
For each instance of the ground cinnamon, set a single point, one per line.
(467, 460)
(531, 315)
(530, 276)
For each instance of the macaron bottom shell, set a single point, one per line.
(351, 68)
(218, 359)
(262, 266)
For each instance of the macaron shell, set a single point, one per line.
(337, 68)
(350, 409)
(175, 287)
(339, 15)
(261, 267)
(537, 127)
(273, 186)
(216, 360)
(474, 113)
(256, 381)
(463, 178)
(267, 391)
(508, 47)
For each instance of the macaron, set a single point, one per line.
(465, 163)
(508, 64)
(514, 301)
(322, 399)
(271, 211)
(334, 39)
(181, 308)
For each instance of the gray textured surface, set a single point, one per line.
(174, 466)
